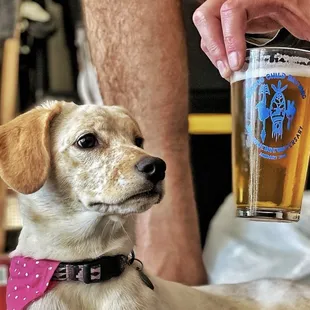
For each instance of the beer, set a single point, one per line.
(271, 140)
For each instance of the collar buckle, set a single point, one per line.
(93, 272)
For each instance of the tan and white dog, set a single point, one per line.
(81, 175)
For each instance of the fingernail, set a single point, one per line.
(223, 69)
(233, 59)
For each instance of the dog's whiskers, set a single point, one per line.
(105, 226)
(112, 232)
(122, 226)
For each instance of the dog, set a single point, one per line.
(82, 176)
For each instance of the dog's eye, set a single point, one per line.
(139, 142)
(88, 141)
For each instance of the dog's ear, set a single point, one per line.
(25, 151)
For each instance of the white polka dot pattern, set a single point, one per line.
(29, 280)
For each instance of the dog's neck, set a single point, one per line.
(50, 233)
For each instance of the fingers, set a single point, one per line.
(210, 30)
(234, 21)
(222, 25)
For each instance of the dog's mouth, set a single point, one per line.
(147, 194)
(146, 197)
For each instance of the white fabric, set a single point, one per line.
(239, 250)
(87, 82)
(33, 11)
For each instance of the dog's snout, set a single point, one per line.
(153, 168)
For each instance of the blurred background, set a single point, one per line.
(49, 53)
(44, 55)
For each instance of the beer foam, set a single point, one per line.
(289, 65)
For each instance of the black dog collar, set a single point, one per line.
(97, 270)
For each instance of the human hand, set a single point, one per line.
(222, 25)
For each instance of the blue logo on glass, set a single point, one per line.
(278, 110)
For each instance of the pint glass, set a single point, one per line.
(271, 133)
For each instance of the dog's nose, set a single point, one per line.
(153, 168)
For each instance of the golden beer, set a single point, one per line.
(271, 136)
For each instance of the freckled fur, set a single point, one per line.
(59, 222)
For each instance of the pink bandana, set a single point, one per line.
(29, 279)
